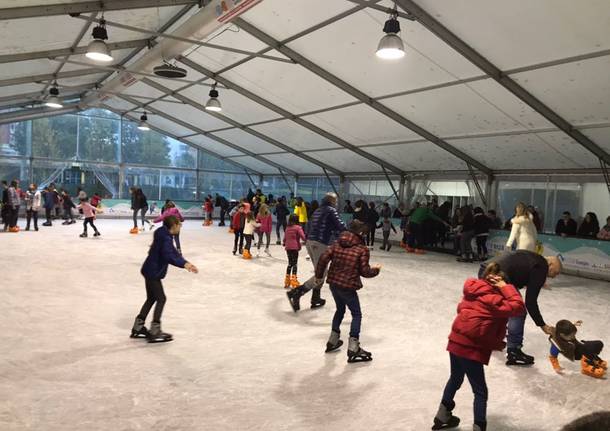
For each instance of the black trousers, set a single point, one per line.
(89, 220)
(154, 295)
(293, 260)
(13, 216)
(482, 245)
(48, 214)
(248, 241)
(223, 212)
(281, 224)
(31, 214)
(588, 349)
(239, 238)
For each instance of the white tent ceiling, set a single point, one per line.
(340, 108)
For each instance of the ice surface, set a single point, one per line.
(241, 360)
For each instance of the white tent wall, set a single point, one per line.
(595, 198)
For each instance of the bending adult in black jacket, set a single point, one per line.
(524, 268)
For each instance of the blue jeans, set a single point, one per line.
(461, 367)
(515, 328)
(349, 298)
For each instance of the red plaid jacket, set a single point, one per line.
(349, 260)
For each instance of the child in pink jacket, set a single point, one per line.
(171, 210)
(265, 219)
(89, 213)
(292, 243)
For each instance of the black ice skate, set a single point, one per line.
(83, 235)
(357, 354)
(444, 419)
(334, 342)
(316, 300)
(516, 357)
(294, 297)
(156, 335)
(96, 234)
(139, 330)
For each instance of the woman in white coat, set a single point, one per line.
(523, 231)
(33, 200)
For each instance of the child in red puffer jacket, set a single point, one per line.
(478, 329)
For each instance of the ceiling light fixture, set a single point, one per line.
(54, 101)
(143, 123)
(97, 49)
(213, 104)
(390, 46)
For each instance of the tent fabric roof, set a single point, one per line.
(320, 99)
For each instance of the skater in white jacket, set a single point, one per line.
(523, 230)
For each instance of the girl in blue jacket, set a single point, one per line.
(161, 254)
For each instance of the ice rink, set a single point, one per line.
(241, 359)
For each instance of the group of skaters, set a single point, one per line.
(492, 306)
(57, 204)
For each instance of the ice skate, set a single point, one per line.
(334, 342)
(246, 255)
(156, 335)
(409, 249)
(139, 330)
(555, 363)
(83, 235)
(278, 242)
(294, 281)
(317, 303)
(588, 368)
(14, 229)
(389, 247)
(66, 222)
(294, 297)
(97, 234)
(420, 251)
(267, 252)
(134, 230)
(355, 353)
(516, 357)
(287, 282)
(444, 419)
(142, 229)
(465, 258)
(151, 226)
(599, 362)
(234, 251)
(479, 427)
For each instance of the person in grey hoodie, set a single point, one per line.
(324, 228)
(33, 201)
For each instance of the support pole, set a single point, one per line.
(250, 178)
(331, 183)
(477, 185)
(391, 183)
(409, 191)
(286, 181)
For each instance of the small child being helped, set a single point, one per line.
(349, 261)
(292, 243)
(89, 213)
(563, 340)
(386, 225)
(478, 329)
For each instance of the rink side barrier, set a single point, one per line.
(583, 257)
(121, 208)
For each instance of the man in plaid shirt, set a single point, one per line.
(349, 260)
